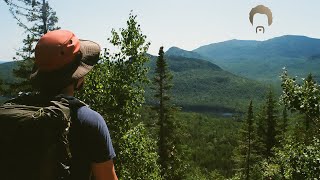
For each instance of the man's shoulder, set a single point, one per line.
(90, 117)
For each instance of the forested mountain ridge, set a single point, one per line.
(202, 86)
(264, 60)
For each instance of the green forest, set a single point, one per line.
(174, 117)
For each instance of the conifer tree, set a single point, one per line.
(1, 88)
(261, 130)
(36, 17)
(246, 153)
(268, 126)
(168, 136)
(283, 125)
(271, 121)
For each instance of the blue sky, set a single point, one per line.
(187, 24)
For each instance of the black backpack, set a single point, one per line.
(34, 142)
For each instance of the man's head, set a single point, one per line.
(261, 9)
(62, 59)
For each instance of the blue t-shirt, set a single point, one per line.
(90, 142)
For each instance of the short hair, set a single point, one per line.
(261, 9)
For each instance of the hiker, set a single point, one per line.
(61, 62)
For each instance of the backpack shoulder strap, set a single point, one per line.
(70, 106)
(73, 103)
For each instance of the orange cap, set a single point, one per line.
(55, 50)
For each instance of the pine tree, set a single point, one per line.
(168, 135)
(1, 87)
(268, 127)
(246, 153)
(271, 121)
(250, 140)
(261, 131)
(36, 17)
(283, 125)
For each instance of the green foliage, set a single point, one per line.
(140, 150)
(298, 156)
(300, 160)
(115, 89)
(296, 160)
(36, 17)
(207, 143)
(216, 175)
(271, 170)
(210, 141)
(304, 98)
(196, 174)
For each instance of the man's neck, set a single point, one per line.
(69, 90)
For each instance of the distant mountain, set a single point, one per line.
(264, 60)
(175, 51)
(202, 86)
(2, 61)
(6, 70)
